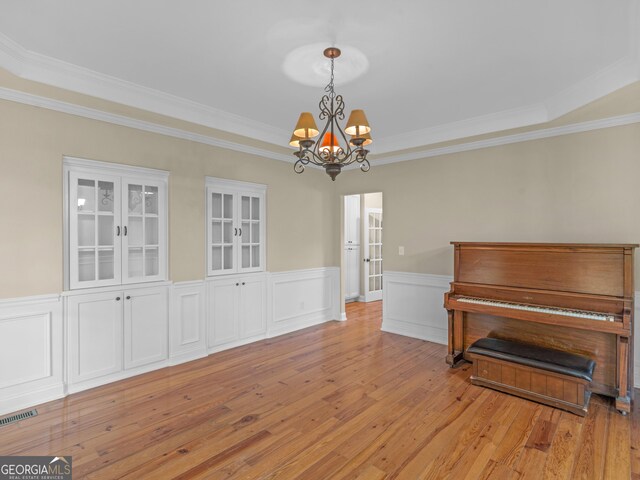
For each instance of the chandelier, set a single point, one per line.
(335, 150)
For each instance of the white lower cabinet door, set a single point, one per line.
(252, 309)
(352, 276)
(95, 335)
(146, 316)
(222, 321)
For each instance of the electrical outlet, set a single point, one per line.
(400, 250)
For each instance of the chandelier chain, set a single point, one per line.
(329, 88)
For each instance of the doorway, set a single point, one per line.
(362, 233)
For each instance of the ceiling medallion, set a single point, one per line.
(335, 150)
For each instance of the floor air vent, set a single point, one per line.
(17, 417)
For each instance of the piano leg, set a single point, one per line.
(623, 400)
(454, 355)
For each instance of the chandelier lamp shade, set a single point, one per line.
(333, 150)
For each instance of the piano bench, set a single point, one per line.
(553, 377)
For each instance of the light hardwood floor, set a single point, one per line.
(340, 400)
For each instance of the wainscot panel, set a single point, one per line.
(302, 298)
(187, 327)
(31, 352)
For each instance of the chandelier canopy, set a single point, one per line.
(333, 150)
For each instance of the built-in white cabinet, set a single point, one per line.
(236, 226)
(237, 308)
(146, 320)
(352, 272)
(112, 331)
(352, 220)
(115, 224)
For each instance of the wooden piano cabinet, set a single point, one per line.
(563, 277)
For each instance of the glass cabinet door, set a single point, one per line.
(250, 232)
(94, 249)
(222, 232)
(142, 224)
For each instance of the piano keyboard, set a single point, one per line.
(531, 308)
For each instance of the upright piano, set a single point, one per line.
(572, 297)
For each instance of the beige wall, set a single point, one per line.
(301, 209)
(573, 188)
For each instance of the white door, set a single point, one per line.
(145, 326)
(352, 220)
(143, 242)
(223, 325)
(352, 274)
(373, 255)
(252, 310)
(94, 230)
(95, 335)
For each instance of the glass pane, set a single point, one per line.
(378, 283)
(255, 232)
(228, 232)
(372, 251)
(86, 195)
(245, 208)
(377, 220)
(216, 258)
(255, 208)
(135, 199)
(255, 256)
(86, 265)
(134, 231)
(105, 264)
(372, 236)
(151, 230)
(371, 221)
(228, 258)
(381, 284)
(378, 236)
(105, 196)
(151, 261)
(246, 257)
(151, 200)
(372, 284)
(228, 206)
(86, 230)
(216, 205)
(135, 262)
(216, 232)
(378, 251)
(105, 230)
(246, 231)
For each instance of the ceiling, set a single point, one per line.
(433, 71)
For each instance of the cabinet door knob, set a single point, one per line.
(117, 299)
(240, 233)
(235, 233)
(125, 231)
(128, 297)
(237, 284)
(243, 283)
(117, 231)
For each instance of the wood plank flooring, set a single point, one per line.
(336, 401)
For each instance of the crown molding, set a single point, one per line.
(41, 68)
(616, 121)
(94, 114)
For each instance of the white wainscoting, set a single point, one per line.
(187, 322)
(302, 298)
(31, 352)
(413, 306)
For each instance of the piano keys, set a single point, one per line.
(572, 297)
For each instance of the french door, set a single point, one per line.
(373, 255)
